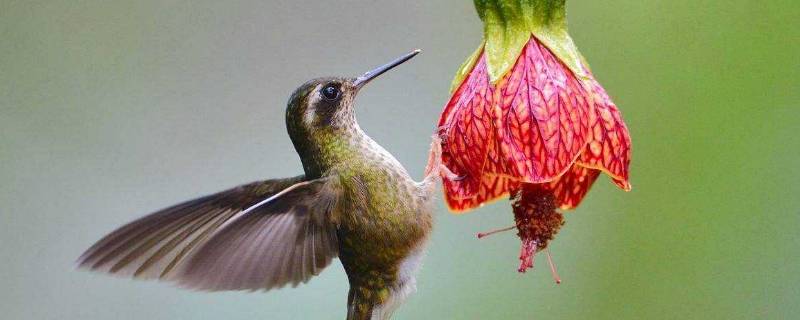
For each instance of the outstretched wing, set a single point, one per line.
(283, 240)
(161, 244)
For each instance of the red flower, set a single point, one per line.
(539, 133)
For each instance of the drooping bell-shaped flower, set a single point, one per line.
(527, 120)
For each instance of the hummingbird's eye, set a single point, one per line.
(330, 92)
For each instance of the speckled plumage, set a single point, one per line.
(355, 201)
(385, 216)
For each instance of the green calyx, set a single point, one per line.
(507, 27)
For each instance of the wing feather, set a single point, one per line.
(265, 248)
(275, 233)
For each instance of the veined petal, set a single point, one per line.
(609, 147)
(467, 130)
(544, 120)
(571, 188)
(489, 188)
(539, 124)
(465, 69)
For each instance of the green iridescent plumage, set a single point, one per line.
(354, 201)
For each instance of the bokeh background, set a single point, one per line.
(112, 109)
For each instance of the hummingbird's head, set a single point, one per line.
(320, 103)
(328, 102)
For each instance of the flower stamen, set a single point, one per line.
(527, 255)
(489, 233)
(553, 268)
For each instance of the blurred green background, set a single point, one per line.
(112, 109)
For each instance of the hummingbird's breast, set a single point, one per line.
(380, 186)
(386, 216)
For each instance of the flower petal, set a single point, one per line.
(539, 124)
(467, 131)
(490, 187)
(609, 147)
(544, 120)
(571, 188)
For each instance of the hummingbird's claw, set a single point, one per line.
(435, 166)
(434, 157)
(450, 175)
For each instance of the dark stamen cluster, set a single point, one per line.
(535, 215)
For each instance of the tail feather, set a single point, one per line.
(365, 304)
(358, 306)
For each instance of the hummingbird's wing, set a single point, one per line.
(286, 239)
(160, 244)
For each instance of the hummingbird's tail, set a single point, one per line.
(376, 304)
(358, 308)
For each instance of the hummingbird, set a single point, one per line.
(354, 201)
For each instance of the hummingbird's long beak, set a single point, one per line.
(372, 74)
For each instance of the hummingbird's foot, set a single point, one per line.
(450, 175)
(434, 165)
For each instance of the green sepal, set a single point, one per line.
(465, 69)
(505, 32)
(509, 24)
